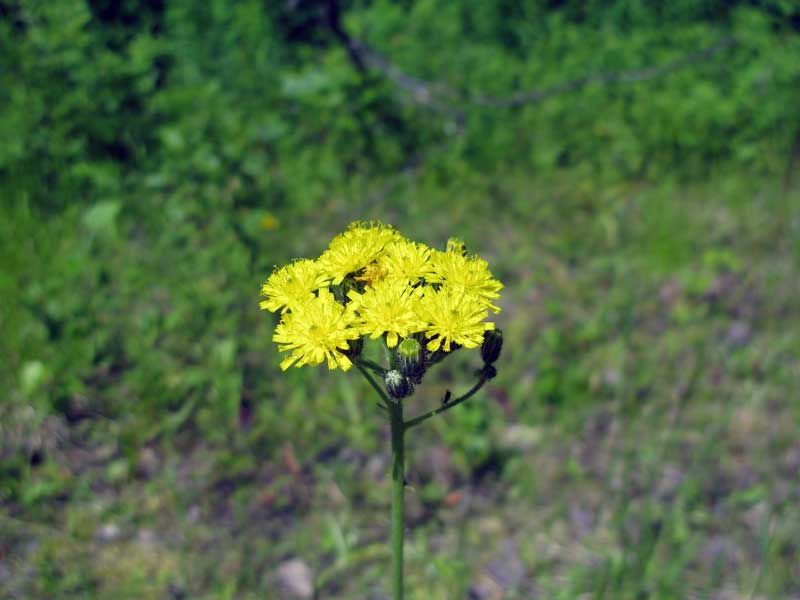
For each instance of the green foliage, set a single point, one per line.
(160, 158)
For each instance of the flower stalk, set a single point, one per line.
(423, 304)
(398, 497)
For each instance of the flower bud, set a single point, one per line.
(488, 372)
(492, 344)
(409, 359)
(457, 246)
(398, 385)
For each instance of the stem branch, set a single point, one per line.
(370, 364)
(424, 417)
(386, 402)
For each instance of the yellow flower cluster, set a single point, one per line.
(371, 281)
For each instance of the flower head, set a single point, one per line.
(390, 307)
(372, 274)
(453, 316)
(371, 281)
(319, 329)
(292, 285)
(457, 245)
(354, 249)
(469, 275)
(406, 260)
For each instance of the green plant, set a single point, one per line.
(372, 282)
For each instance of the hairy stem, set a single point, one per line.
(371, 364)
(424, 417)
(398, 490)
(384, 398)
(398, 428)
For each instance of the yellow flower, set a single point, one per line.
(354, 249)
(387, 307)
(268, 222)
(469, 275)
(386, 286)
(407, 260)
(317, 330)
(292, 285)
(373, 273)
(453, 317)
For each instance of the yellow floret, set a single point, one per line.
(317, 330)
(354, 249)
(406, 260)
(469, 275)
(292, 285)
(390, 307)
(453, 316)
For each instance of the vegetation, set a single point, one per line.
(626, 168)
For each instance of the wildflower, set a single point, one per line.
(372, 274)
(466, 274)
(373, 282)
(319, 329)
(389, 307)
(351, 251)
(292, 285)
(407, 260)
(268, 222)
(453, 317)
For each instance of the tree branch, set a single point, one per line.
(442, 98)
(632, 76)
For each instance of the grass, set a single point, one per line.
(640, 441)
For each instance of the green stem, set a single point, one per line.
(365, 362)
(398, 427)
(398, 489)
(424, 417)
(386, 402)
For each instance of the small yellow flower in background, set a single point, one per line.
(453, 317)
(354, 249)
(388, 307)
(292, 285)
(372, 282)
(268, 222)
(316, 331)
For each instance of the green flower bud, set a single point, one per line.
(492, 344)
(409, 359)
(457, 246)
(398, 385)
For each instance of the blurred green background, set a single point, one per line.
(628, 170)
